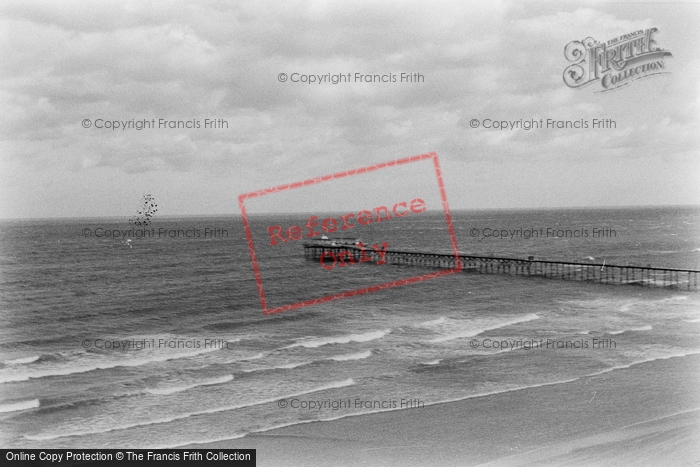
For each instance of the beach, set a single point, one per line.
(170, 348)
(351, 233)
(647, 414)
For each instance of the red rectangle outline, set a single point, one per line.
(364, 290)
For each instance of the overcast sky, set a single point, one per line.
(64, 62)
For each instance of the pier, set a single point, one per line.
(602, 273)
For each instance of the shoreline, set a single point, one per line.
(645, 414)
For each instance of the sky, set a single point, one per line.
(68, 69)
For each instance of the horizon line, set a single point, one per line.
(238, 214)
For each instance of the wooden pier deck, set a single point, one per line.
(603, 273)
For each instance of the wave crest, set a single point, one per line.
(173, 390)
(23, 361)
(24, 405)
(318, 342)
(476, 330)
(352, 356)
(63, 433)
(643, 328)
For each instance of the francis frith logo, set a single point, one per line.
(615, 63)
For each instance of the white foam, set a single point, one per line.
(473, 396)
(22, 361)
(639, 362)
(476, 331)
(95, 364)
(434, 322)
(64, 434)
(337, 358)
(24, 405)
(318, 342)
(359, 414)
(287, 366)
(173, 390)
(643, 328)
(352, 356)
(432, 362)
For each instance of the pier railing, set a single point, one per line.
(683, 279)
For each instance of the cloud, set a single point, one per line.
(122, 60)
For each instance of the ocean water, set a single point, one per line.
(161, 341)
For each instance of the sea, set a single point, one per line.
(116, 335)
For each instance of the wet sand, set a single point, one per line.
(648, 414)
